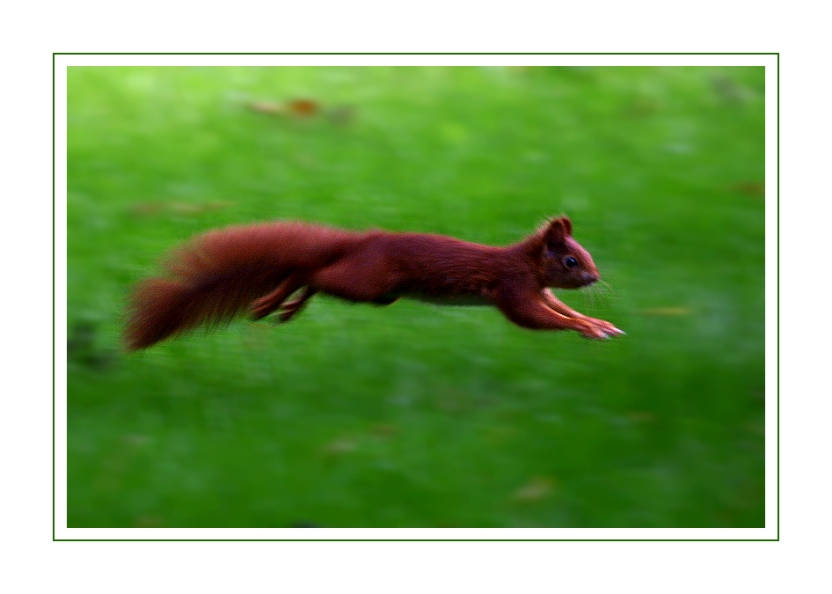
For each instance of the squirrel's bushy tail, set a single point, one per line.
(216, 276)
(160, 308)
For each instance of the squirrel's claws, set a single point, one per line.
(603, 333)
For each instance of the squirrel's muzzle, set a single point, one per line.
(589, 277)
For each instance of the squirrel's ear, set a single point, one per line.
(557, 231)
(567, 225)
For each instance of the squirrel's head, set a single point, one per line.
(564, 263)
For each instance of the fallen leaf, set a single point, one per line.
(146, 208)
(537, 488)
(180, 208)
(340, 446)
(641, 416)
(303, 107)
(642, 107)
(751, 188)
(384, 430)
(266, 107)
(135, 440)
(729, 89)
(299, 108)
(149, 522)
(342, 115)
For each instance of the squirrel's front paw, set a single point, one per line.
(600, 329)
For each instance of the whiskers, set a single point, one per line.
(598, 291)
(607, 286)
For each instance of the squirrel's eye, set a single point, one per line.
(570, 262)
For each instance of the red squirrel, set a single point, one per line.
(256, 268)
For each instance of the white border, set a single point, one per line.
(768, 61)
(416, 60)
(60, 397)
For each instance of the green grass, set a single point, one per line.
(414, 415)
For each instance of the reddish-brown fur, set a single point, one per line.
(223, 273)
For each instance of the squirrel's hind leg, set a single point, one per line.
(360, 278)
(270, 303)
(290, 309)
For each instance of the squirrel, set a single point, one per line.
(256, 268)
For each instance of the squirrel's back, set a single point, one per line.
(440, 265)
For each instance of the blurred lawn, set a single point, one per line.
(413, 415)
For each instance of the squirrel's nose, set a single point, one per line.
(589, 277)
